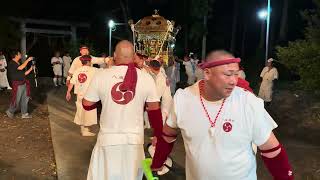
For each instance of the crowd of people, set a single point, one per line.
(218, 115)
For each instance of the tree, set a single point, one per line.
(234, 25)
(284, 21)
(200, 11)
(126, 15)
(303, 56)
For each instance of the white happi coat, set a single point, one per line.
(242, 74)
(164, 94)
(3, 75)
(66, 65)
(81, 80)
(173, 74)
(119, 151)
(199, 73)
(265, 91)
(228, 153)
(190, 70)
(57, 68)
(76, 63)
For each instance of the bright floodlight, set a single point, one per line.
(172, 45)
(111, 23)
(263, 14)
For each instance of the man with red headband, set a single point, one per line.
(76, 63)
(123, 91)
(81, 80)
(218, 122)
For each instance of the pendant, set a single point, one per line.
(211, 131)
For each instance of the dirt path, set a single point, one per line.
(26, 150)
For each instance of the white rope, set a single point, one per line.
(165, 37)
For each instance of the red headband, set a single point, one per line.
(210, 64)
(85, 59)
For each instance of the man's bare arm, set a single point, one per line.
(25, 63)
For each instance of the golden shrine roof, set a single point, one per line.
(154, 23)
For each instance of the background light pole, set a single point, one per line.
(264, 14)
(111, 25)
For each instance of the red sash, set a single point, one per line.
(15, 85)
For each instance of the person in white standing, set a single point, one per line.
(219, 122)
(164, 94)
(103, 65)
(123, 90)
(268, 75)
(57, 62)
(66, 66)
(76, 63)
(190, 65)
(80, 81)
(173, 74)
(3, 73)
(242, 74)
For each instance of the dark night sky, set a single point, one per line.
(219, 26)
(98, 10)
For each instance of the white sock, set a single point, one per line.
(59, 80)
(55, 81)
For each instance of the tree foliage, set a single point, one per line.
(303, 56)
(199, 9)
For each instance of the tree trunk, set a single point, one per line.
(243, 43)
(204, 38)
(284, 21)
(234, 25)
(124, 8)
(185, 28)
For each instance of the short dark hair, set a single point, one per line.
(14, 53)
(85, 59)
(83, 46)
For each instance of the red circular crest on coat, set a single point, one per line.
(227, 127)
(82, 77)
(121, 97)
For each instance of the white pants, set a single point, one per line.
(265, 91)
(65, 71)
(191, 78)
(3, 79)
(57, 70)
(83, 117)
(116, 162)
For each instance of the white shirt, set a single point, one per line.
(242, 74)
(163, 91)
(269, 75)
(3, 63)
(82, 78)
(229, 154)
(76, 63)
(66, 62)
(56, 59)
(121, 123)
(173, 72)
(188, 66)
